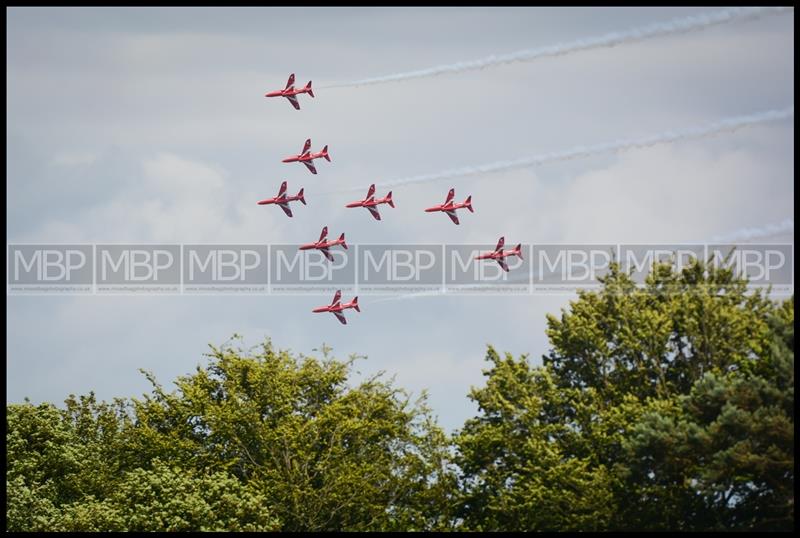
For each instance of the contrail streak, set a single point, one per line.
(675, 26)
(747, 234)
(726, 125)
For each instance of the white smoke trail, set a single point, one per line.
(748, 234)
(443, 292)
(675, 26)
(727, 125)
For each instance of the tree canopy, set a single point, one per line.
(255, 441)
(668, 406)
(663, 407)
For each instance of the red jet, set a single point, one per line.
(370, 203)
(283, 201)
(336, 307)
(499, 254)
(306, 157)
(290, 92)
(450, 207)
(324, 245)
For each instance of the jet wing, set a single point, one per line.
(453, 216)
(370, 192)
(502, 263)
(374, 211)
(291, 81)
(336, 297)
(500, 244)
(450, 196)
(324, 233)
(310, 166)
(340, 317)
(282, 190)
(293, 99)
(286, 209)
(306, 147)
(327, 254)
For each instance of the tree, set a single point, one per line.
(731, 439)
(517, 468)
(667, 406)
(168, 498)
(287, 436)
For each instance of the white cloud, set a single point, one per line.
(673, 193)
(181, 92)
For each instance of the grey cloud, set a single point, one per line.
(94, 95)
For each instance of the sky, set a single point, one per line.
(150, 125)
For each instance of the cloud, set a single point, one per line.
(175, 200)
(726, 125)
(613, 39)
(170, 101)
(673, 193)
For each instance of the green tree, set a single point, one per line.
(518, 471)
(168, 498)
(666, 406)
(292, 438)
(729, 442)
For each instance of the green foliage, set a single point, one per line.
(172, 499)
(729, 442)
(255, 441)
(663, 407)
(518, 477)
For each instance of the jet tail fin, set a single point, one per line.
(355, 304)
(325, 154)
(341, 238)
(468, 204)
(389, 199)
(308, 87)
(518, 250)
(301, 197)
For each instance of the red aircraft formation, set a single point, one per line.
(336, 307)
(323, 245)
(370, 202)
(450, 207)
(307, 157)
(283, 201)
(498, 254)
(290, 92)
